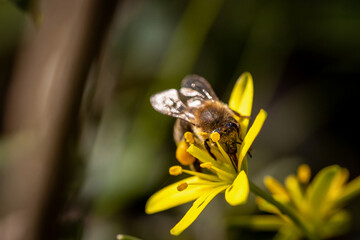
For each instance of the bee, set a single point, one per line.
(198, 110)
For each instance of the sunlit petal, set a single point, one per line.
(251, 135)
(170, 196)
(238, 192)
(197, 207)
(241, 99)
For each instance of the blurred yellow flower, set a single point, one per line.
(218, 175)
(318, 204)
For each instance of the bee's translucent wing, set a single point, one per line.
(168, 102)
(194, 86)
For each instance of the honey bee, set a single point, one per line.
(198, 110)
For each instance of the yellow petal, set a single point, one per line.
(238, 192)
(276, 188)
(318, 189)
(350, 191)
(265, 206)
(251, 135)
(241, 99)
(197, 207)
(170, 196)
(336, 225)
(295, 192)
(337, 185)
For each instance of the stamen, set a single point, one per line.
(210, 177)
(221, 172)
(204, 157)
(207, 165)
(182, 186)
(175, 170)
(215, 136)
(189, 137)
(226, 157)
(208, 183)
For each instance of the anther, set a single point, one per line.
(182, 186)
(215, 136)
(189, 137)
(175, 170)
(207, 165)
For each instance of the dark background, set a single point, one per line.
(304, 58)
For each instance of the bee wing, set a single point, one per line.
(194, 86)
(169, 103)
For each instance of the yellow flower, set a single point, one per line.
(218, 175)
(318, 203)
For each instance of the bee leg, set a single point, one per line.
(234, 160)
(196, 166)
(240, 115)
(208, 148)
(249, 153)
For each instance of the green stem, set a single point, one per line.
(284, 209)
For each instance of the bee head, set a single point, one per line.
(229, 135)
(230, 129)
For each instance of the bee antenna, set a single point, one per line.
(240, 115)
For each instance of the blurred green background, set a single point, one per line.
(304, 58)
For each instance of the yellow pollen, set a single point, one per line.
(207, 165)
(182, 187)
(304, 173)
(189, 137)
(175, 170)
(215, 136)
(182, 155)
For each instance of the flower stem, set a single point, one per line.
(284, 209)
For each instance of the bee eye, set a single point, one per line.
(231, 125)
(218, 130)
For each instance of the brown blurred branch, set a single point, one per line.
(42, 106)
